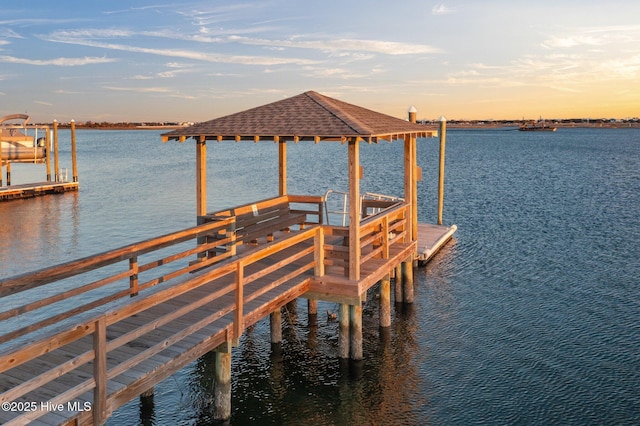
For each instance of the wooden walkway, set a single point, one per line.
(106, 356)
(161, 304)
(31, 190)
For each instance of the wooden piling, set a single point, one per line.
(385, 301)
(222, 386)
(148, 393)
(443, 140)
(74, 163)
(56, 164)
(355, 332)
(343, 332)
(407, 281)
(398, 284)
(275, 321)
(413, 114)
(47, 138)
(147, 407)
(312, 307)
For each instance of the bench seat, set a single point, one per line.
(257, 221)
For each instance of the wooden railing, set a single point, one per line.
(378, 233)
(84, 322)
(314, 207)
(382, 230)
(296, 204)
(128, 265)
(259, 221)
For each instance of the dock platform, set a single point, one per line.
(31, 190)
(431, 238)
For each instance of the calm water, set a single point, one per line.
(531, 315)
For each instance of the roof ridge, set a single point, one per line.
(333, 107)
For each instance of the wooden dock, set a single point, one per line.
(21, 143)
(30, 190)
(151, 308)
(93, 333)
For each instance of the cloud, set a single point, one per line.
(573, 41)
(187, 54)
(61, 62)
(335, 72)
(594, 37)
(165, 91)
(93, 33)
(6, 33)
(441, 9)
(339, 45)
(138, 89)
(90, 37)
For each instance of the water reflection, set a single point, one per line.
(529, 316)
(302, 380)
(33, 227)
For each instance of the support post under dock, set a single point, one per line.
(222, 386)
(385, 301)
(275, 322)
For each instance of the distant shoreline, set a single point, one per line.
(454, 124)
(120, 127)
(449, 126)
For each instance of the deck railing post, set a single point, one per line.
(320, 214)
(100, 371)
(133, 278)
(238, 322)
(319, 252)
(385, 237)
(231, 231)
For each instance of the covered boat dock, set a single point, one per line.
(25, 143)
(381, 236)
(133, 316)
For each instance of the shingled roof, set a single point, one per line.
(308, 116)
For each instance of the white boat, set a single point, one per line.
(19, 142)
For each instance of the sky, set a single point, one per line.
(163, 60)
